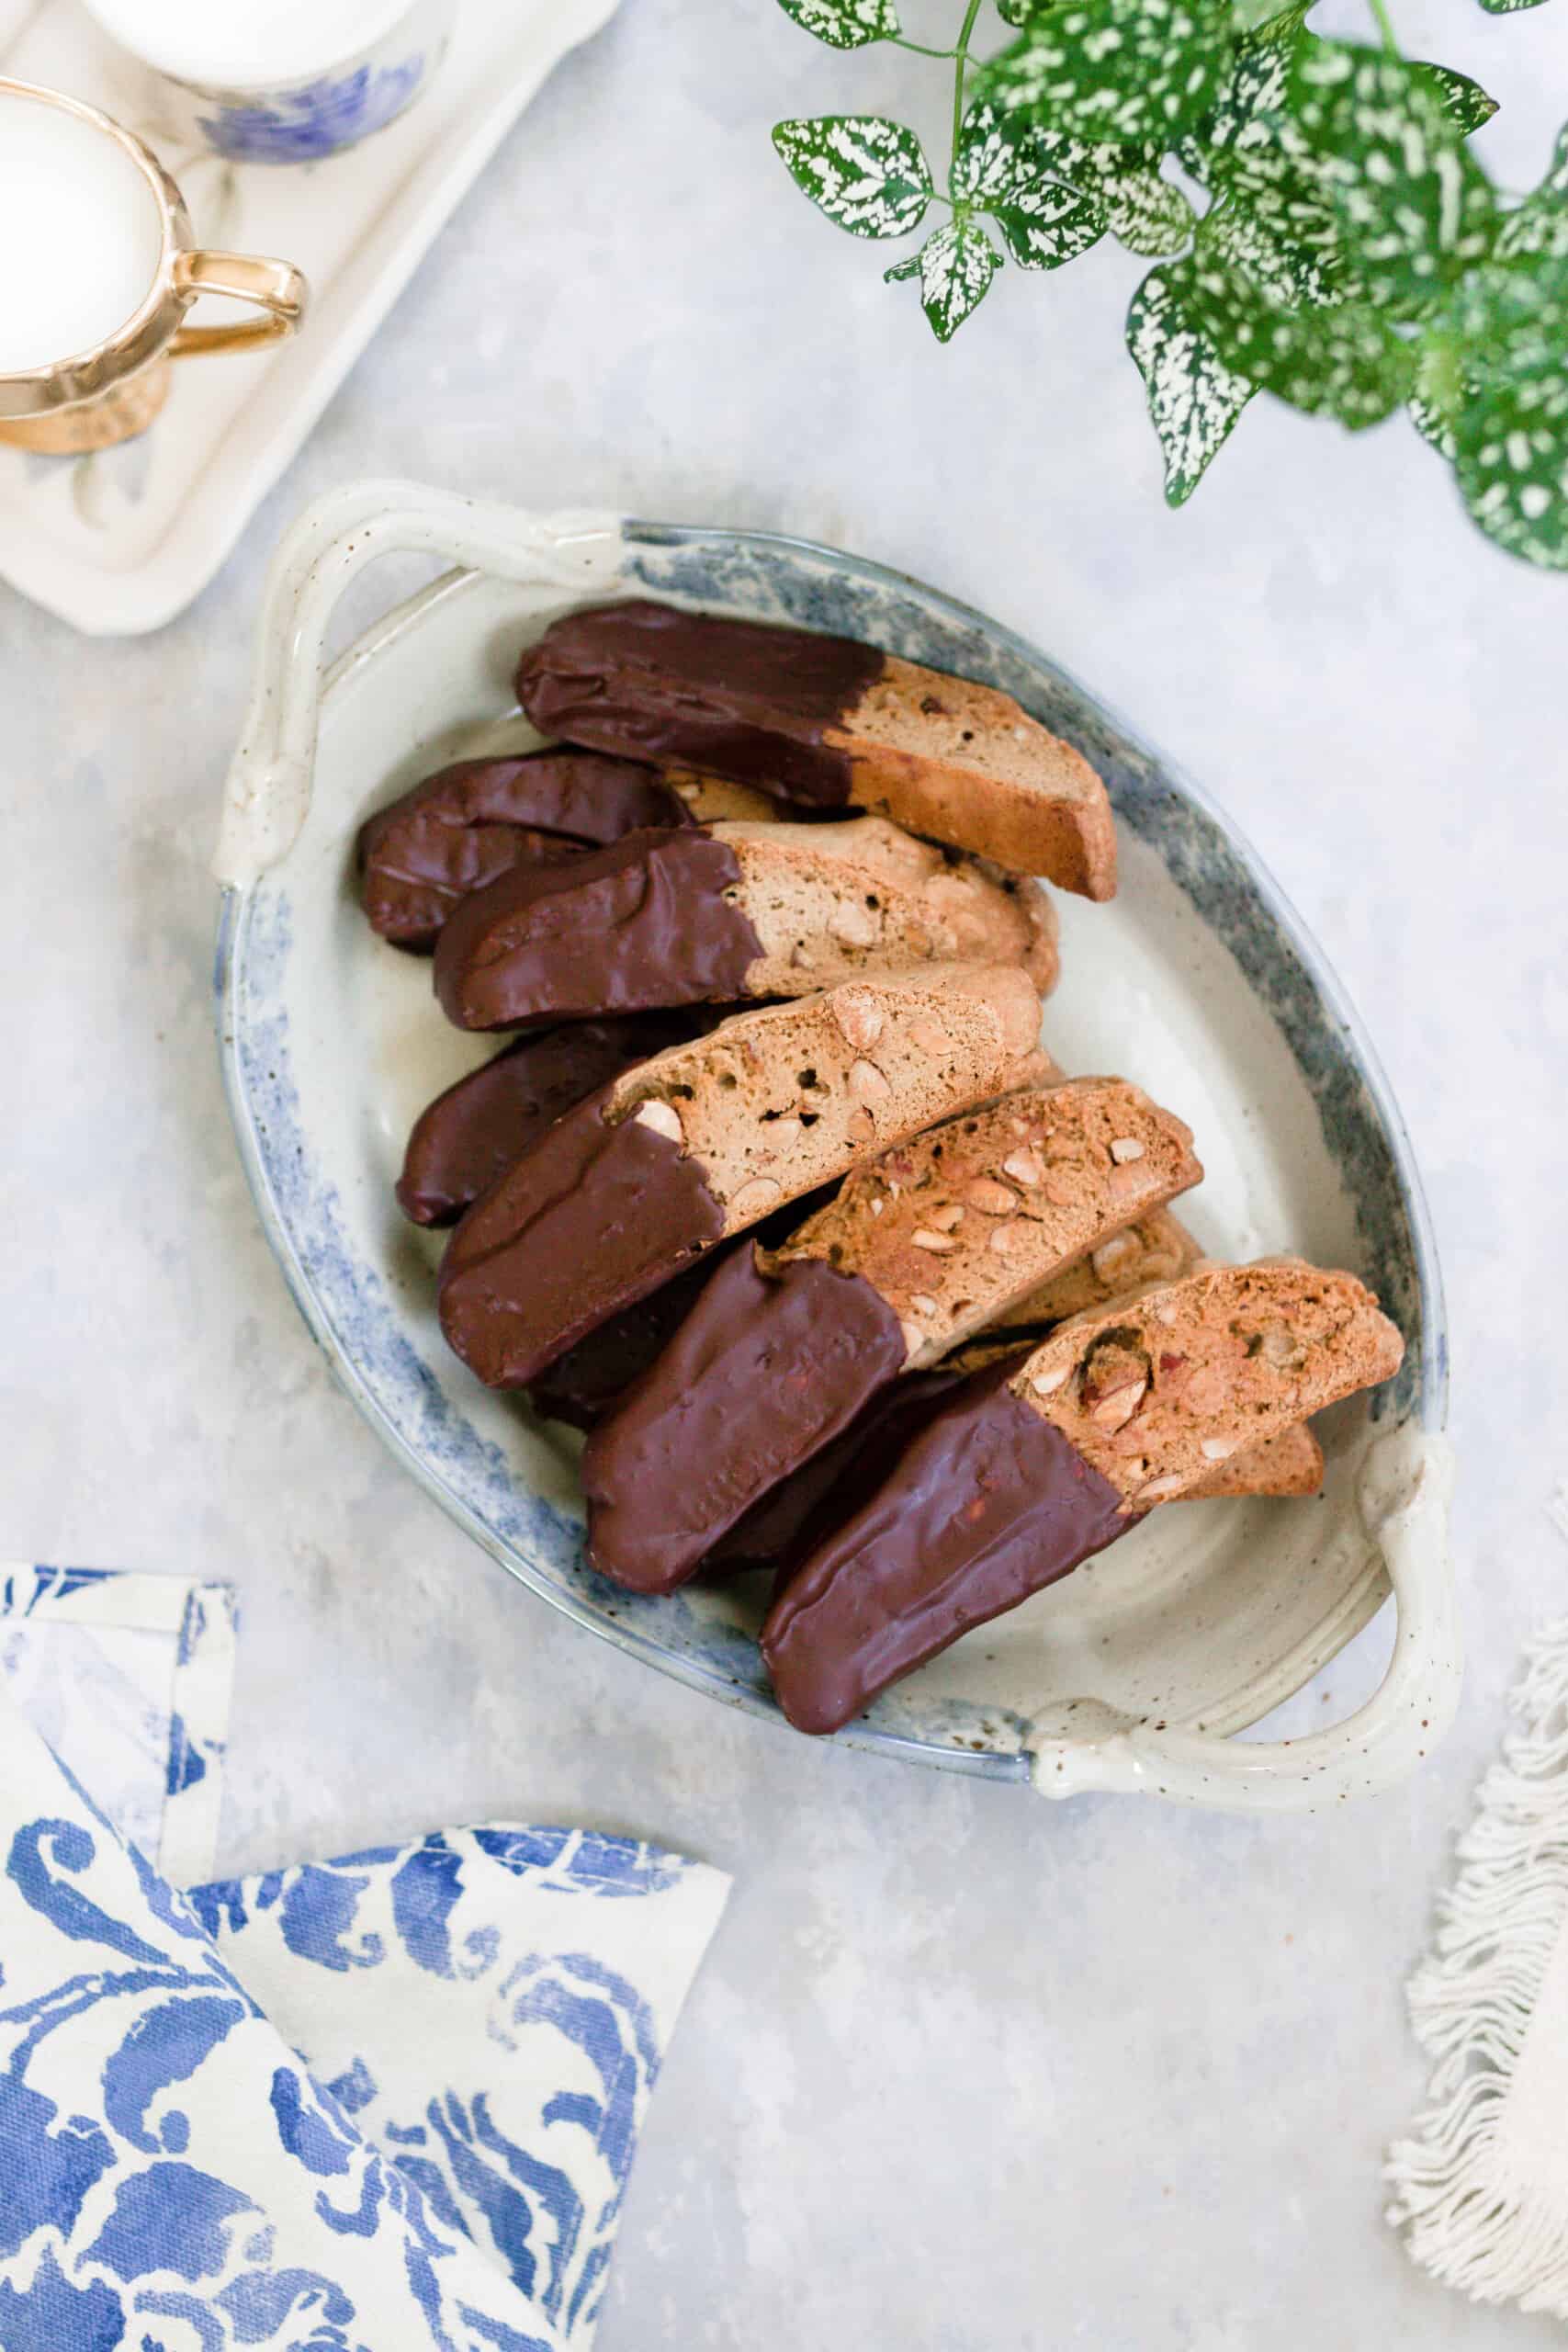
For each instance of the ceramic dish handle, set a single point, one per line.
(1403, 1498)
(268, 795)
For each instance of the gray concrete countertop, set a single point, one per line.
(965, 2072)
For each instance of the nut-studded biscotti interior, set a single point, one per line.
(1155, 1391)
(825, 721)
(706, 1138)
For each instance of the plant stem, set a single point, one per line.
(1385, 26)
(961, 68)
(897, 40)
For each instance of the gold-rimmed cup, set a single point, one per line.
(92, 398)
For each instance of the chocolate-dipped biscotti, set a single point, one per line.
(725, 912)
(473, 1131)
(917, 1252)
(827, 721)
(470, 822)
(460, 828)
(1026, 1469)
(706, 1138)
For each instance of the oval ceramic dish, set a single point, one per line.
(1198, 981)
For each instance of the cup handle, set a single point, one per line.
(277, 288)
(268, 794)
(1403, 1497)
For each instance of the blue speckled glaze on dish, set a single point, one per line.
(349, 1308)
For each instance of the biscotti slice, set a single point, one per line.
(723, 913)
(473, 1131)
(825, 720)
(914, 1254)
(706, 1138)
(459, 828)
(1026, 1469)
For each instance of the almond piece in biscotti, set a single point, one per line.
(1028, 1468)
(826, 721)
(700, 1141)
(784, 1350)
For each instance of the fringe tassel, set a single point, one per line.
(1475, 2214)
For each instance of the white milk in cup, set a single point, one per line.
(81, 236)
(98, 266)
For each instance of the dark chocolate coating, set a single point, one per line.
(769, 1365)
(989, 1504)
(742, 699)
(589, 1380)
(472, 1133)
(587, 1222)
(783, 1527)
(643, 924)
(468, 822)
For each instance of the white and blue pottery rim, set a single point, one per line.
(344, 1303)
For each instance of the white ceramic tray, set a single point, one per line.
(1198, 981)
(120, 542)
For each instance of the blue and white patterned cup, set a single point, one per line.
(310, 107)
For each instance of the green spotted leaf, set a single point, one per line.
(1417, 207)
(1539, 226)
(1194, 399)
(1047, 224)
(1433, 425)
(1144, 211)
(1018, 12)
(1511, 462)
(1000, 153)
(1254, 237)
(1345, 361)
(1507, 7)
(1126, 69)
(845, 24)
(956, 266)
(1004, 168)
(866, 174)
(994, 153)
(1252, 94)
(1464, 101)
(1502, 323)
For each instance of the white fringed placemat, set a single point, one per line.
(1481, 2188)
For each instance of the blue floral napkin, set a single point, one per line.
(127, 1675)
(373, 2106)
